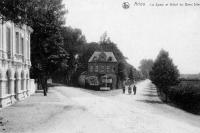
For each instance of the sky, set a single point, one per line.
(141, 32)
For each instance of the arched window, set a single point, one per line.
(27, 85)
(17, 42)
(7, 91)
(1, 36)
(15, 84)
(22, 81)
(8, 41)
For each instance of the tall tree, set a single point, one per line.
(74, 42)
(164, 73)
(46, 19)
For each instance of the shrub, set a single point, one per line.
(186, 96)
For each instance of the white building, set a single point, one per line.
(15, 83)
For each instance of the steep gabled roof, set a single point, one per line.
(102, 57)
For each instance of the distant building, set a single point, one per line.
(15, 83)
(102, 66)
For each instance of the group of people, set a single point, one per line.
(130, 89)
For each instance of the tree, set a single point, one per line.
(164, 73)
(46, 17)
(14, 10)
(74, 42)
(131, 75)
(122, 73)
(145, 67)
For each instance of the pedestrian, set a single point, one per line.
(129, 90)
(124, 89)
(134, 89)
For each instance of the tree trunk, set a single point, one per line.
(44, 86)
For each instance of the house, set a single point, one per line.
(15, 83)
(102, 69)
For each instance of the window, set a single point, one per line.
(17, 42)
(15, 83)
(22, 46)
(22, 81)
(94, 58)
(113, 69)
(91, 69)
(28, 52)
(7, 91)
(108, 69)
(110, 58)
(8, 39)
(102, 69)
(96, 68)
(1, 36)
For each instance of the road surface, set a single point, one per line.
(76, 110)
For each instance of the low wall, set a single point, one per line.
(33, 86)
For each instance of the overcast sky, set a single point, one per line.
(141, 32)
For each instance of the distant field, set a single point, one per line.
(190, 76)
(195, 83)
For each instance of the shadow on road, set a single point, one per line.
(151, 95)
(151, 101)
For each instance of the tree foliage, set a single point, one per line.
(164, 73)
(146, 66)
(122, 73)
(14, 10)
(74, 40)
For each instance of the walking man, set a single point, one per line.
(134, 89)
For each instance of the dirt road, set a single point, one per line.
(75, 110)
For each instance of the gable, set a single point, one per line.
(102, 57)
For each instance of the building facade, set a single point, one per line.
(103, 67)
(15, 83)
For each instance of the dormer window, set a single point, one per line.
(102, 57)
(94, 58)
(110, 58)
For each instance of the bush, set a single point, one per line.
(186, 96)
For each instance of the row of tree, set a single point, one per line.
(55, 48)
